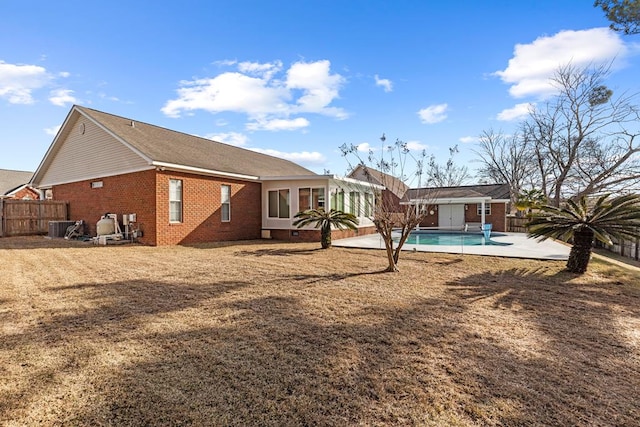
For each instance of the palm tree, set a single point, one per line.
(583, 222)
(528, 200)
(324, 220)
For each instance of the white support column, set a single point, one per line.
(482, 216)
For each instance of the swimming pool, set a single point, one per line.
(450, 238)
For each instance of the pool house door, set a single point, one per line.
(451, 217)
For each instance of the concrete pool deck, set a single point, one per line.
(521, 247)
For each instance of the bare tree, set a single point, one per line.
(448, 174)
(388, 167)
(585, 140)
(582, 141)
(506, 159)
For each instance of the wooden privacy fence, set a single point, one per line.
(25, 217)
(515, 224)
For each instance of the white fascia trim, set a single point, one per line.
(202, 171)
(322, 178)
(358, 182)
(449, 201)
(296, 178)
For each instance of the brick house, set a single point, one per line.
(182, 188)
(466, 206)
(394, 188)
(15, 185)
(453, 208)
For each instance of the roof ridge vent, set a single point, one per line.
(133, 124)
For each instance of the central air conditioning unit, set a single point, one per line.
(59, 228)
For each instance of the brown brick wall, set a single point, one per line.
(122, 194)
(201, 215)
(497, 218)
(26, 193)
(147, 194)
(430, 220)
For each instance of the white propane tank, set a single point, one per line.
(105, 226)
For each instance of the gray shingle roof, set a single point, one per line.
(495, 191)
(167, 146)
(11, 179)
(393, 184)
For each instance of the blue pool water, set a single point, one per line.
(450, 238)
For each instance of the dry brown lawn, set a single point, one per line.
(278, 334)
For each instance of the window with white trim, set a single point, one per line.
(225, 202)
(278, 203)
(337, 200)
(175, 200)
(310, 198)
(354, 203)
(368, 205)
(487, 209)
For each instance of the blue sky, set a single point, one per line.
(295, 79)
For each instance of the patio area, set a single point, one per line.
(520, 246)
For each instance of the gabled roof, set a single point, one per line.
(494, 191)
(393, 184)
(12, 180)
(168, 148)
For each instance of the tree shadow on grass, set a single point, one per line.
(278, 366)
(420, 364)
(96, 316)
(579, 338)
(330, 277)
(264, 358)
(277, 252)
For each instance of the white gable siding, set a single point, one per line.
(92, 154)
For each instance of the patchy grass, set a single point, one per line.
(263, 333)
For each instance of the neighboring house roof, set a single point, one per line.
(494, 191)
(392, 183)
(161, 147)
(12, 181)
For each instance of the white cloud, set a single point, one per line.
(231, 138)
(533, 64)
(52, 130)
(364, 147)
(468, 139)
(17, 82)
(416, 146)
(318, 85)
(268, 101)
(518, 111)
(278, 124)
(433, 113)
(234, 92)
(386, 84)
(64, 74)
(305, 157)
(225, 62)
(61, 97)
(266, 70)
